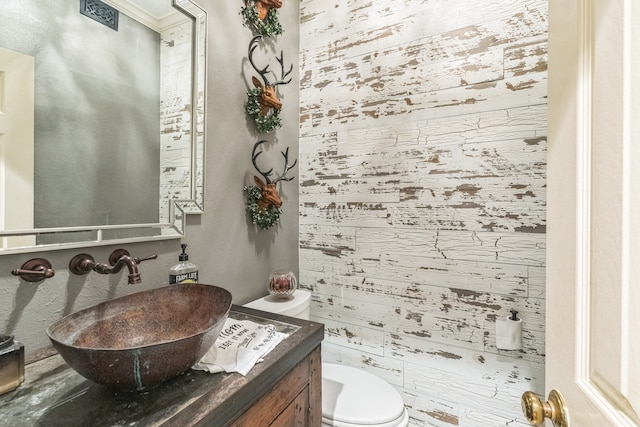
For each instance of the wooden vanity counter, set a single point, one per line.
(283, 390)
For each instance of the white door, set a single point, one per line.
(593, 262)
(16, 145)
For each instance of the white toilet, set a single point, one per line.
(350, 397)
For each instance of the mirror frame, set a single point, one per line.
(179, 208)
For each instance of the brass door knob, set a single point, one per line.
(554, 409)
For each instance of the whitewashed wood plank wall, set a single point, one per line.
(175, 117)
(422, 196)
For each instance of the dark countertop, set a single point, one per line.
(55, 395)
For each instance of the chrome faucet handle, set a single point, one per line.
(35, 270)
(119, 253)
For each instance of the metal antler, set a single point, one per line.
(283, 75)
(286, 167)
(267, 174)
(254, 156)
(264, 71)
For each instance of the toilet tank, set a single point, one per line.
(296, 306)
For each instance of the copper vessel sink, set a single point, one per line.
(140, 340)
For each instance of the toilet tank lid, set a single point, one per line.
(296, 304)
(353, 396)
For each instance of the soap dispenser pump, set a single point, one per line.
(184, 271)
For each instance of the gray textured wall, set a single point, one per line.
(223, 242)
(225, 246)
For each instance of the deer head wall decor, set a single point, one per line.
(263, 201)
(263, 99)
(261, 16)
(270, 196)
(264, 6)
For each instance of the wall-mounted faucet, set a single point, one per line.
(84, 263)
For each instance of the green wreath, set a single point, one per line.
(264, 123)
(263, 218)
(269, 27)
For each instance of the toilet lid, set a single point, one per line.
(353, 396)
(292, 306)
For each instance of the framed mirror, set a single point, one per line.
(102, 121)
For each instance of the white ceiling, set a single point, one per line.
(157, 8)
(156, 14)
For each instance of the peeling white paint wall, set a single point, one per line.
(422, 196)
(175, 116)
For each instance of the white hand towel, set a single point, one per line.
(241, 344)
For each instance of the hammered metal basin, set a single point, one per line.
(140, 340)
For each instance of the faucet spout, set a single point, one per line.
(124, 260)
(84, 263)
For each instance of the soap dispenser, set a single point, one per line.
(184, 271)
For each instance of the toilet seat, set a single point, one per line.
(350, 397)
(400, 422)
(364, 399)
